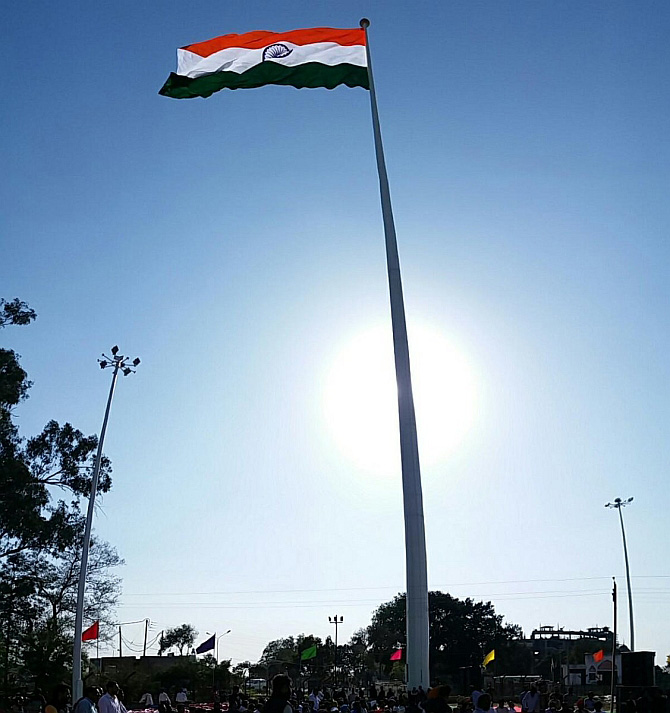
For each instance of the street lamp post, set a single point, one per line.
(118, 363)
(218, 638)
(337, 621)
(618, 504)
(216, 650)
(217, 645)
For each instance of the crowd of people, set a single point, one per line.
(283, 699)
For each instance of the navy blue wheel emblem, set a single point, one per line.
(276, 51)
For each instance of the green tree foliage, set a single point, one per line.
(37, 474)
(462, 631)
(351, 660)
(37, 600)
(240, 672)
(179, 637)
(15, 312)
(281, 650)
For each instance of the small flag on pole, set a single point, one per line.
(489, 657)
(309, 653)
(315, 57)
(206, 645)
(91, 634)
(599, 656)
(396, 655)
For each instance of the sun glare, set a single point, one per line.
(360, 398)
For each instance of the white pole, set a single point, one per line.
(415, 537)
(630, 591)
(614, 672)
(77, 683)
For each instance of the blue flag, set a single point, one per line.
(206, 646)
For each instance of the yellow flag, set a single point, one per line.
(489, 657)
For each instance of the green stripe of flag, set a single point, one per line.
(309, 75)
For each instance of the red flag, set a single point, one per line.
(599, 656)
(91, 634)
(396, 655)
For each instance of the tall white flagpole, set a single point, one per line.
(415, 537)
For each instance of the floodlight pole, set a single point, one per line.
(119, 363)
(416, 616)
(618, 504)
(337, 621)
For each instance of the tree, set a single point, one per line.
(34, 471)
(179, 637)
(283, 655)
(15, 312)
(281, 650)
(38, 596)
(240, 672)
(58, 578)
(461, 632)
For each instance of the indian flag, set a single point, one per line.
(317, 57)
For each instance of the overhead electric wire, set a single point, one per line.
(316, 602)
(127, 623)
(344, 603)
(131, 645)
(154, 640)
(351, 589)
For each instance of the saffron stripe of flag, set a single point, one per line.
(599, 655)
(317, 57)
(260, 39)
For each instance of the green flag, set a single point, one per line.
(309, 653)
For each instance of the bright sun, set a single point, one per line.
(360, 399)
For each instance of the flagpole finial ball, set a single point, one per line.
(364, 23)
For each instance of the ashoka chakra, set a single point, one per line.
(276, 51)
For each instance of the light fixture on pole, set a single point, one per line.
(123, 364)
(619, 504)
(337, 620)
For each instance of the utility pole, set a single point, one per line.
(337, 621)
(618, 504)
(120, 649)
(146, 631)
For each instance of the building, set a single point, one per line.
(122, 667)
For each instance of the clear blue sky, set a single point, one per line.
(235, 244)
